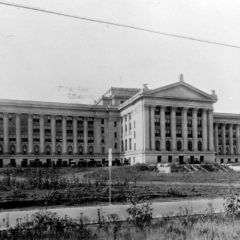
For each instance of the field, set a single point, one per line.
(33, 187)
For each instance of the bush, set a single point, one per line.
(232, 205)
(140, 214)
(141, 166)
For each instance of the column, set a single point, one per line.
(5, 133)
(152, 118)
(107, 133)
(146, 128)
(97, 135)
(85, 133)
(223, 139)
(216, 137)
(184, 129)
(231, 138)
(204, 129)
(42, 134)
(195, 129)
(120, 135)
(75, 150)
(237, 139)
(173, 128)
(64, 134)
(53, 134)
(163, 134)
(30, 134)
(210, 130)
(18, 133)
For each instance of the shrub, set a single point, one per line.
(232, 205)
(141, 166)
(140, 214)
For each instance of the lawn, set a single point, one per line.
(136, 174)
(33, 187)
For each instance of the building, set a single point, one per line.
(174, 123)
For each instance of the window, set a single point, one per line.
(135, 147)
(115, 124)
(102, 130)
(115, 134)
(199, 146)
(130, 144)
(190, 146)
(125, 144)
(179, 145)
(157, 145)
(168, 145)
(103, 150)
(69, 149)
(102, 121)
(115, 145)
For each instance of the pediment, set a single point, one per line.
(181, 90)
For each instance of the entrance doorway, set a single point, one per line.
(159, 159)
(169, 159)
(201, 159)
(181, 159)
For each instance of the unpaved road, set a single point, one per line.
(160, 209)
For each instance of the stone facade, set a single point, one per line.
(174, 123)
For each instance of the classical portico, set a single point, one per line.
(177, 124)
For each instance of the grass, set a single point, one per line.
(134, 174)
(186, 227)
(33, 187)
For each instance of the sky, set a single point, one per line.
(46, 57)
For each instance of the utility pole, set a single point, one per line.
(110, 174)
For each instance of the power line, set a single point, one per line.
(118, 24)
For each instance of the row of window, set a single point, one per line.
(47, 149)
(178, 146)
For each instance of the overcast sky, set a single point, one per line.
(42, 55)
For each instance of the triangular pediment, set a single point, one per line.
(181, 90)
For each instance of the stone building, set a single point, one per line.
(174, 123)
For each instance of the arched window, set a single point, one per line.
(59, 149)
(168, 145)
(157, 143)
(12, 149)
(24, 149)
(69, 149)
(80, 149)
(199, 146)
(189, 145)
(48, 149)
(90, 149)
(1, 149)
(36, 149)
(219, 150)
(234, 151)
(179, 145)
(227, 151)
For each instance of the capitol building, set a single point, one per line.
(171, 124)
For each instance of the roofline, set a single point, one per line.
(231, 115)
(145, 93)
(116, 88)
(56, 105)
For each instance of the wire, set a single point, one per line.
(119, 25)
